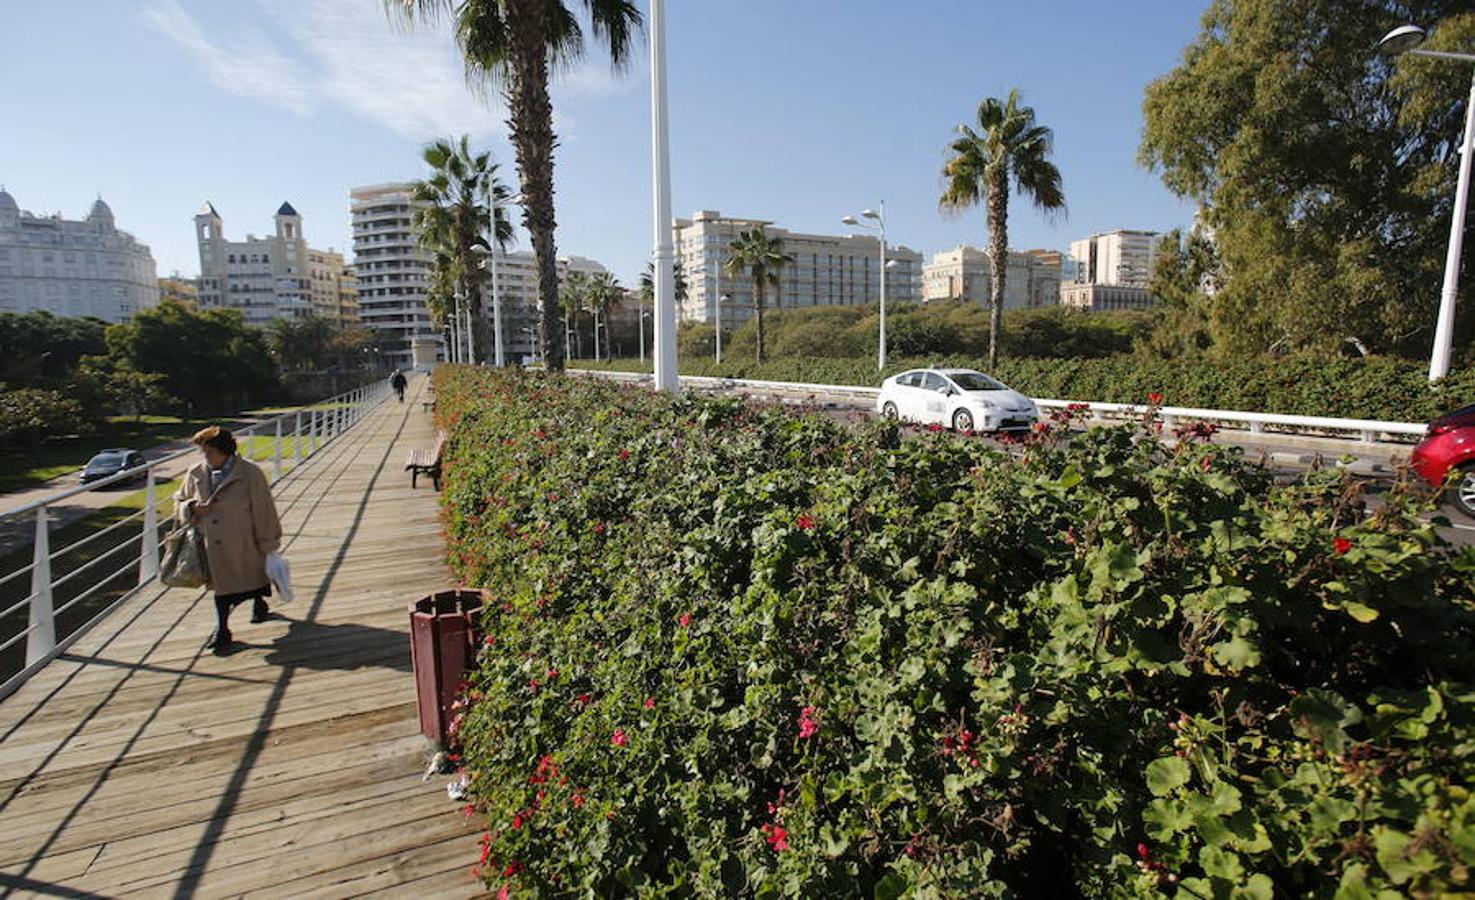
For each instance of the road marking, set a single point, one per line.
(1462, 527)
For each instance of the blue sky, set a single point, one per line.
(799, 111)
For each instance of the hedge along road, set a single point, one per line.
(1376, 466)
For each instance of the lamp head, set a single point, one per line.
(850, 220)
(870, 214)
(891, 264)
(1402, 39)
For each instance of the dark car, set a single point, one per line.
(1449, 446)
(111, 462)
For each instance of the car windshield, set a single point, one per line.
(105, 459)
(975, 381)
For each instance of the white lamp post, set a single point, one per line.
(663, 276)
(880, 218)
(720, 298)
(1406, 39)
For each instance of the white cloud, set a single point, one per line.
(349, 54)
(249, 68)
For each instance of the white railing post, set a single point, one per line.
(312, 431)
(277, 452)
(148, 547)
(297, 437)
(42, 639)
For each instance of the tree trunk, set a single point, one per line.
(758, 311)
(998, 261)
(530, 120)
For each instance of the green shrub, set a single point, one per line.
(739, 651)
(1382, 388)
(30, 415)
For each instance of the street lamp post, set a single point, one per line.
(1406, 39)
(879, 215)
(663, 276)
(720, 298)
(496, 248)
(717, 292)
(456, 329)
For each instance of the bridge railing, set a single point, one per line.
(1362, 430)
(84, 580)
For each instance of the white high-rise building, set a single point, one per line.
(392, 270)
(517, 284)
(266, 278)
(73, 268)
(1120, 257)
(828, 270)
(1031, 279)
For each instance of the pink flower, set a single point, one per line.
(650, 703)
(685, 620)
(619, 739)
(808, 728)
(1341, 545)
(505, 893)
(778, 837)
(805, 522)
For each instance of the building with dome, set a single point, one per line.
(273, 277)
(73, 268)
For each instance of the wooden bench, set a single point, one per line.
(426, 462)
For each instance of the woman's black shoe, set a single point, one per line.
(259, 611)
(219, 641)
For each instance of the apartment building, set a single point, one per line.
(73, 267)
(517, 285)
(391, 269)
(274, 277)
(1031, 278)
(828, 270)
(1121, 257)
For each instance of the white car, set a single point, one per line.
(957, 398)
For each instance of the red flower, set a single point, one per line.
(584, 699)
(808, 728)
(505, 893)
(1341, 545)
(512, 869)
(934, 427)
(1155, 398)
(624, 454)
(599, 528)
(618, 738)
(650, 703)
(517, 820)
(1143, 852)
(778, 837)
(552, 674)
(805, 522)
(685, 620)
(578, 801)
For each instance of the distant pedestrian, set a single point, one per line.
(230, 500)
(398, 382)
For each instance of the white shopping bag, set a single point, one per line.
(280, 575)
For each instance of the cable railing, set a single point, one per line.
(78, 584)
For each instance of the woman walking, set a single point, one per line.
(230, 500)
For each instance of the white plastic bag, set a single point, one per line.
(280, 575)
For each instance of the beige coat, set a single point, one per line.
(241, 525)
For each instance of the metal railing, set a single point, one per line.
(1362, 430)
(279, 444)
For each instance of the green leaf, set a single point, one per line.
(1166, 774)
(1359, 611)
(892, 887)
(1236, 654)
(1166, 817)
(1221, 863)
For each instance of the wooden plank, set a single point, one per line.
(140, 764)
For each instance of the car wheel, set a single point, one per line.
(889, 410)
(1463, 492)
(962, 420)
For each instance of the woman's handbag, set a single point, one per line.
(185, 563)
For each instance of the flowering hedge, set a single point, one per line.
(736, 650)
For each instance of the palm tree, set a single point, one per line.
(648, 283)
(450, 219)
(571, 297)
(602, 290)
(512, 44)
(761, 258)
(1006, 143)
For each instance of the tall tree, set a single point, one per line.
(210, 359)
(452, 211)
(511, 44)
(761, 257)
(1005, 144)
(1324, 170)
(601, 292)
(648, 283)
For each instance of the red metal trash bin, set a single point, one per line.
(443, 642)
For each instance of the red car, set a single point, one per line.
(1450, 444)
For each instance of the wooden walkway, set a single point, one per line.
(139, 764)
